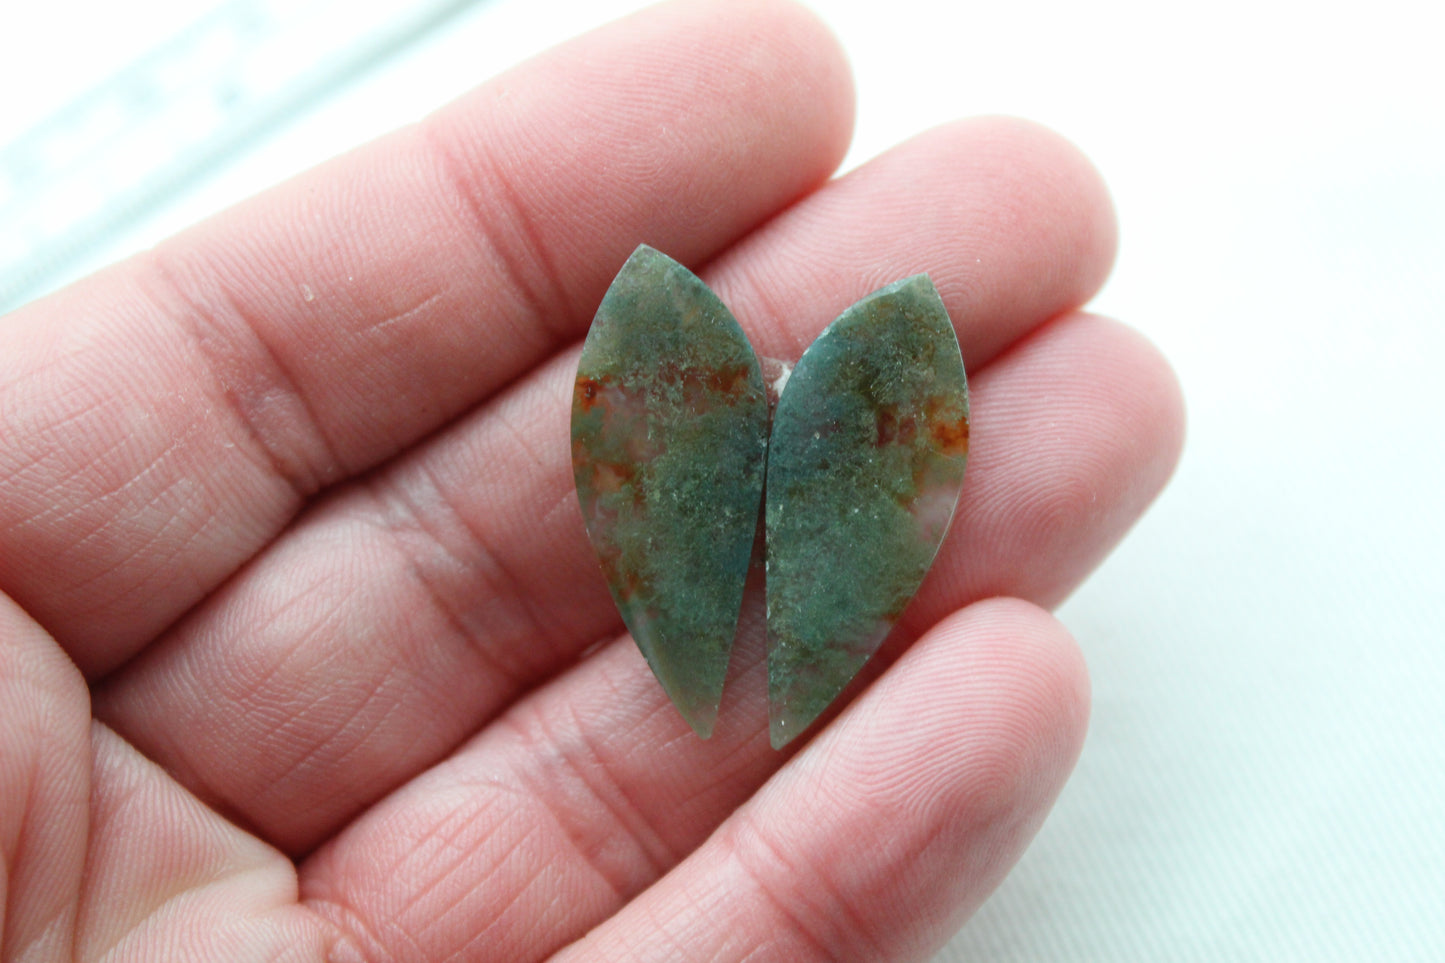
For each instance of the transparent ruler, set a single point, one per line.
(94, 166)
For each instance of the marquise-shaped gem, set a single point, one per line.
(669, 437)
(865, 465)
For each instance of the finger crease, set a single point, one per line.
(838, 908)
(351, 934)
(569, 759)
(483, 191)
(401, 519)
(480, 558)
(203, 328)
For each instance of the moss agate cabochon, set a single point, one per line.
(865, 464)
(669, 437)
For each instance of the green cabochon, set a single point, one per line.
(865, 464)
(669, 437)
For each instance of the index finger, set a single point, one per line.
(164, 419)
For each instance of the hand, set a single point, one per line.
(309, 657)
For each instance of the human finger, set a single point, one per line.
(1010, 221)
(881, 837)
(963, 743)
(165, 418)
(45, 788)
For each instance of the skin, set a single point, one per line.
(304, 654)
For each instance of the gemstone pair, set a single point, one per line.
(857, 470)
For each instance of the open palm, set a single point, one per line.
(308, 656)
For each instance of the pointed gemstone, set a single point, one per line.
(669, 434)
(865, 464)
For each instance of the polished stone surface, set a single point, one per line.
(865, 465)
(669, 436)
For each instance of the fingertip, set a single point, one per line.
(1147, 408)
(1028, 678)
(1077, 430)
(1133, 417)
(890, 828)
(688, 123)
(1010, 221)
(1164, 392)
(1038, 169)
(820, 65)
(989, 709)
(787, 60)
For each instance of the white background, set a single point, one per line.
(1264, 777)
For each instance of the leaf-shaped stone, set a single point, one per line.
(865, 464)
(669, 436)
